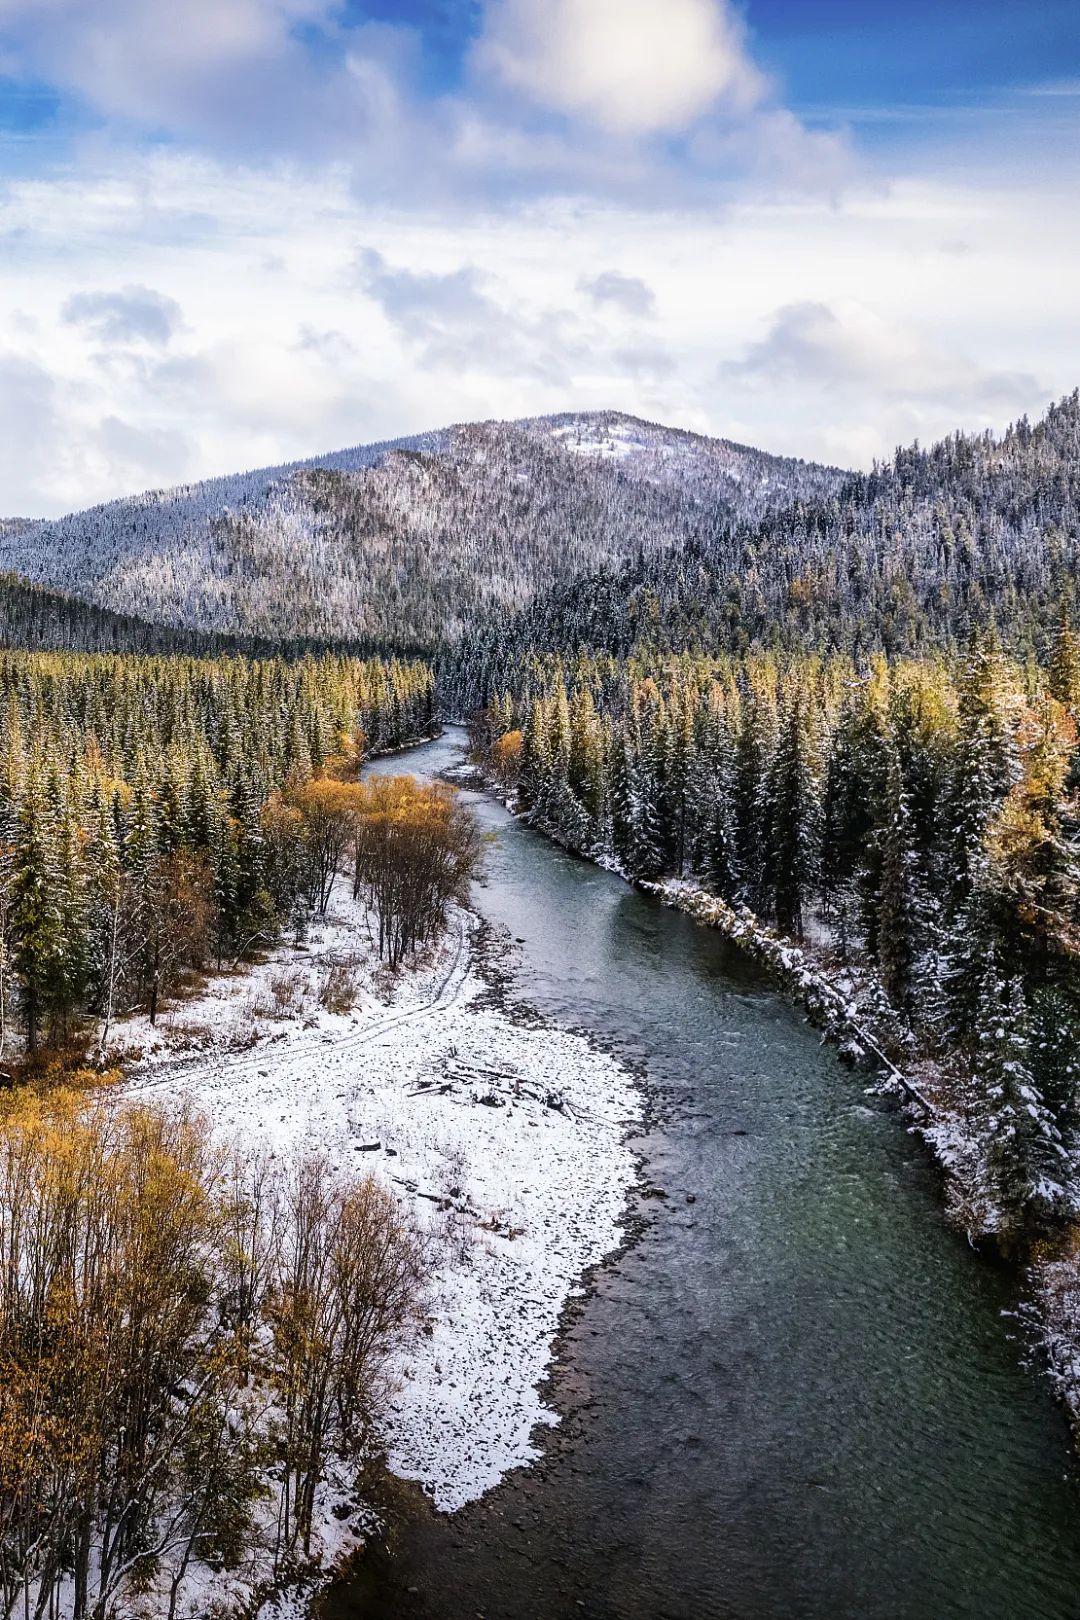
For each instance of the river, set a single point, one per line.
(795, 1396)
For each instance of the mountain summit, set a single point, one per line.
(406, 540)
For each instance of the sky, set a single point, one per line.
(239, 232)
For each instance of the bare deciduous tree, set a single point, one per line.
(173, 1317)
(416, 848)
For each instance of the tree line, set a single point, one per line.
(920, 817)
(906, 560)
(153, 814)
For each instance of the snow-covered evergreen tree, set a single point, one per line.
(1026, 1157)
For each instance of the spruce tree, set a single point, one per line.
(985, 764)
(1025, 1153)
(897, 929)
(38, 913)
(794, 841)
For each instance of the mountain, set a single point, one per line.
(908, 558)
(39, 619)
(405, 542)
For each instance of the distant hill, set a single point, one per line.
(405, 542)
(908, 558)
(44, 620)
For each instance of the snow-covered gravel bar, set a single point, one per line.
(521, 1130)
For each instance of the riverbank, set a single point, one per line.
(850, 1006)
(847, 1006)
(852, 1011)
(505, 1136)
(796, 1348)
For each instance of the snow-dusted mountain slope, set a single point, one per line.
(405, 540)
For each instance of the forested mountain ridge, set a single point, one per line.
(405, 541)
(44, 620)
(858, 721)
(908, 558)
(40, 619)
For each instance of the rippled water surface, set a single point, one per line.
(796, 1395)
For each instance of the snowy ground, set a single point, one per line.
(519, 1130)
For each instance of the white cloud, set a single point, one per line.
(1055, 87)
(134, 314)
(312, 320)
(811, 344)
(425, 304)
(30, 436)
(55, 444)
(456, 324)
(138, 457)
(633, 67)
(245, 78)
(148, 59)
(628, 293)
(779, 152)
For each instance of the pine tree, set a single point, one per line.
(753, 776)
(1055, 1057)
(38, 910)
(619, 773)
(986, 760)
(897, 930)
(1063, 675)
(716, 848)
(678, 773)
(971, 938)
(1025, 1153)
(794, 841)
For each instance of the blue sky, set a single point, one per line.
(867, 63)
(237, 231)
(927, 52)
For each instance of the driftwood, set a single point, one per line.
(909, 1086)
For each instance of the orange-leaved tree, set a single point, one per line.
(416, 848)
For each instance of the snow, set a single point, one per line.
(612, 441)
(517, 1134)
(268, 552)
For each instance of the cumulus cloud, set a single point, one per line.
(132, 315)
(29, 432)
(809, 342)
(309, 80)
(458, 325)
(426, 303)
(145, 60)
(774, 147)
(57, 452)
(632, 67)
(627, 293)
(845, 327)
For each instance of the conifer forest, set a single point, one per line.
(846, 728)
(539, 810)
(834, 717)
